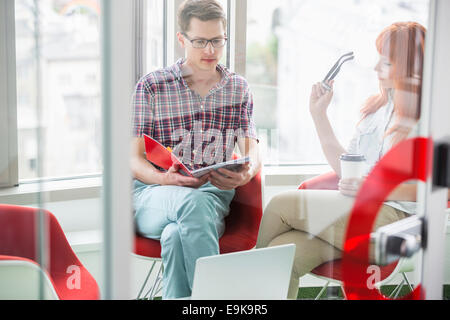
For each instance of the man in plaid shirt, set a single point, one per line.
(201, 110)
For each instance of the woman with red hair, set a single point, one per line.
(316, 220)
(390, 115)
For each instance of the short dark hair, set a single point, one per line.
(204, 10)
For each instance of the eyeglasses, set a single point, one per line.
(202, 43)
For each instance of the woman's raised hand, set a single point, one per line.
(320, 98)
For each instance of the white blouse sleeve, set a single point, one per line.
(353, 145)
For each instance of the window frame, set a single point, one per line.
(237, 30)
(8, 99)
(140, 29)
(170, 25)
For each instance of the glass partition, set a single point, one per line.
(51, 235)
(365, 119)
(364, 108)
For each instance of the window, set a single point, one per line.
(292, 44)
(289, 46)
(58, 86)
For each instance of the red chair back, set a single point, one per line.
(326, 181)
(18, 231)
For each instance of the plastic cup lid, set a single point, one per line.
(352, 157)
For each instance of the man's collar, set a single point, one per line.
(177, 70)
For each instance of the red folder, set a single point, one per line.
(162, 157)
(159, 155)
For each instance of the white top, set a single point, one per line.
(370, 141)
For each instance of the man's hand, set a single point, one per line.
(350, 187)
(174, 178)
(228, 180)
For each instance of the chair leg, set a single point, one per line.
(156, 287)
(407, 281)
(343, 293)
(158, 283)
(322, 291)
(159, 288)
(396, 291)
(146, 280)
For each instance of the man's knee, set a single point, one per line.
(170, 235)
(199, 205)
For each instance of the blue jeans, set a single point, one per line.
(188, 222)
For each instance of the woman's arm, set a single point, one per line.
(407, 192)
(404, 192)
(319, 101)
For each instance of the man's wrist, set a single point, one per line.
(161, 177)
(250, 174)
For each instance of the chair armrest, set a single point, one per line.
(242, 224)
(251, 193)
(326, 181)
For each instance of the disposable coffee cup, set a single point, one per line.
(353, 166)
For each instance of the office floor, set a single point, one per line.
(336, 293)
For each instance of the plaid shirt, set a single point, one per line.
(201, 131)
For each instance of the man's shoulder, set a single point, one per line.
(160, 76)
(237, 81)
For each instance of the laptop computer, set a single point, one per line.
(258, 274)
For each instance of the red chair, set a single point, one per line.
(18, 256)
(331, 271)
(241, 231)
